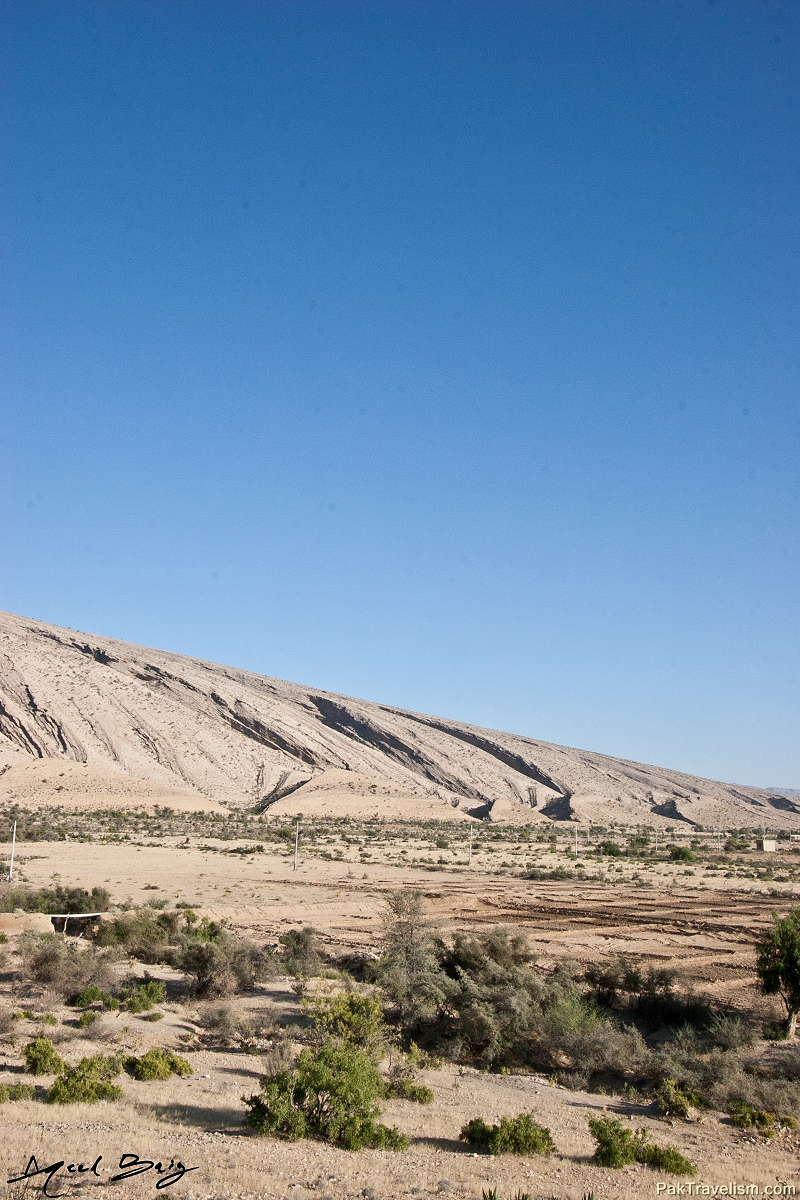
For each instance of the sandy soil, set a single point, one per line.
(198, 1120)
(705, 931)
(82, 787)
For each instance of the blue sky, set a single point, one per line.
(440, 353)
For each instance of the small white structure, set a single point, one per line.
(768, 845)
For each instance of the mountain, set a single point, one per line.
(89, 721)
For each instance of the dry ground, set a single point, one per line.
(703, 923)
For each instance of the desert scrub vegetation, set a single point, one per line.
(147, 934)
(401, 1081)
(63, 966)
(217, 961)
(88, 1081)
(42, 1058)
(156, 1063)
(778, 965)
(222, 1028)
(674, 1101)
(618, 1146)
(92, 1078)
(650, 997)
(759, 1120)
(55, 899)
(8, 1023)
(512, 1135)
(352, 1016)
(16, 1091)
(331, 1094)
(221, 963)
(141, 997)
(481, 1000)
(300, 955)
(93, 996)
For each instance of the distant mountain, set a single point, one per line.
(92, 721)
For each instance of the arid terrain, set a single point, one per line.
(699, 918)
(243, 811)
(147, 726)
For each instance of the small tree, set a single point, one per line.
(778, 965)
(409, 971)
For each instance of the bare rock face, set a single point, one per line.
(128, 724)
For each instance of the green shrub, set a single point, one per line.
(157, 1063)
(144, 933)
(353, 1016)
(42, 1058)
(144, 996)
(88, 1017)
(57, 899)
(617, 1146)
(681, 854)
(93, 994)
(778, 965)
(674, 1101)
(331, 1094)
(610, 849)
(669, 1159)
(513, 1135)
(88, 1081)
(408, 1089)
(16, 1091)
(747, 1116)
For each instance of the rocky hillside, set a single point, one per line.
(93, 721)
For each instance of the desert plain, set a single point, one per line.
(124, 773)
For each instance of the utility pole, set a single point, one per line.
(471, 835)
(13, 848)
(296, 842)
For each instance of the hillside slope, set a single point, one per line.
(129, 724)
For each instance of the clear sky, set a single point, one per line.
(440, 353)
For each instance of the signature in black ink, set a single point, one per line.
(129, 1165)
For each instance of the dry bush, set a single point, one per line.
(279, 1056)
(301, 956)
(219, 1025)
(224, 963)
(146, 934)
(100, 1032)
(225, 1029)
(62, 967)
(8, 1024)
